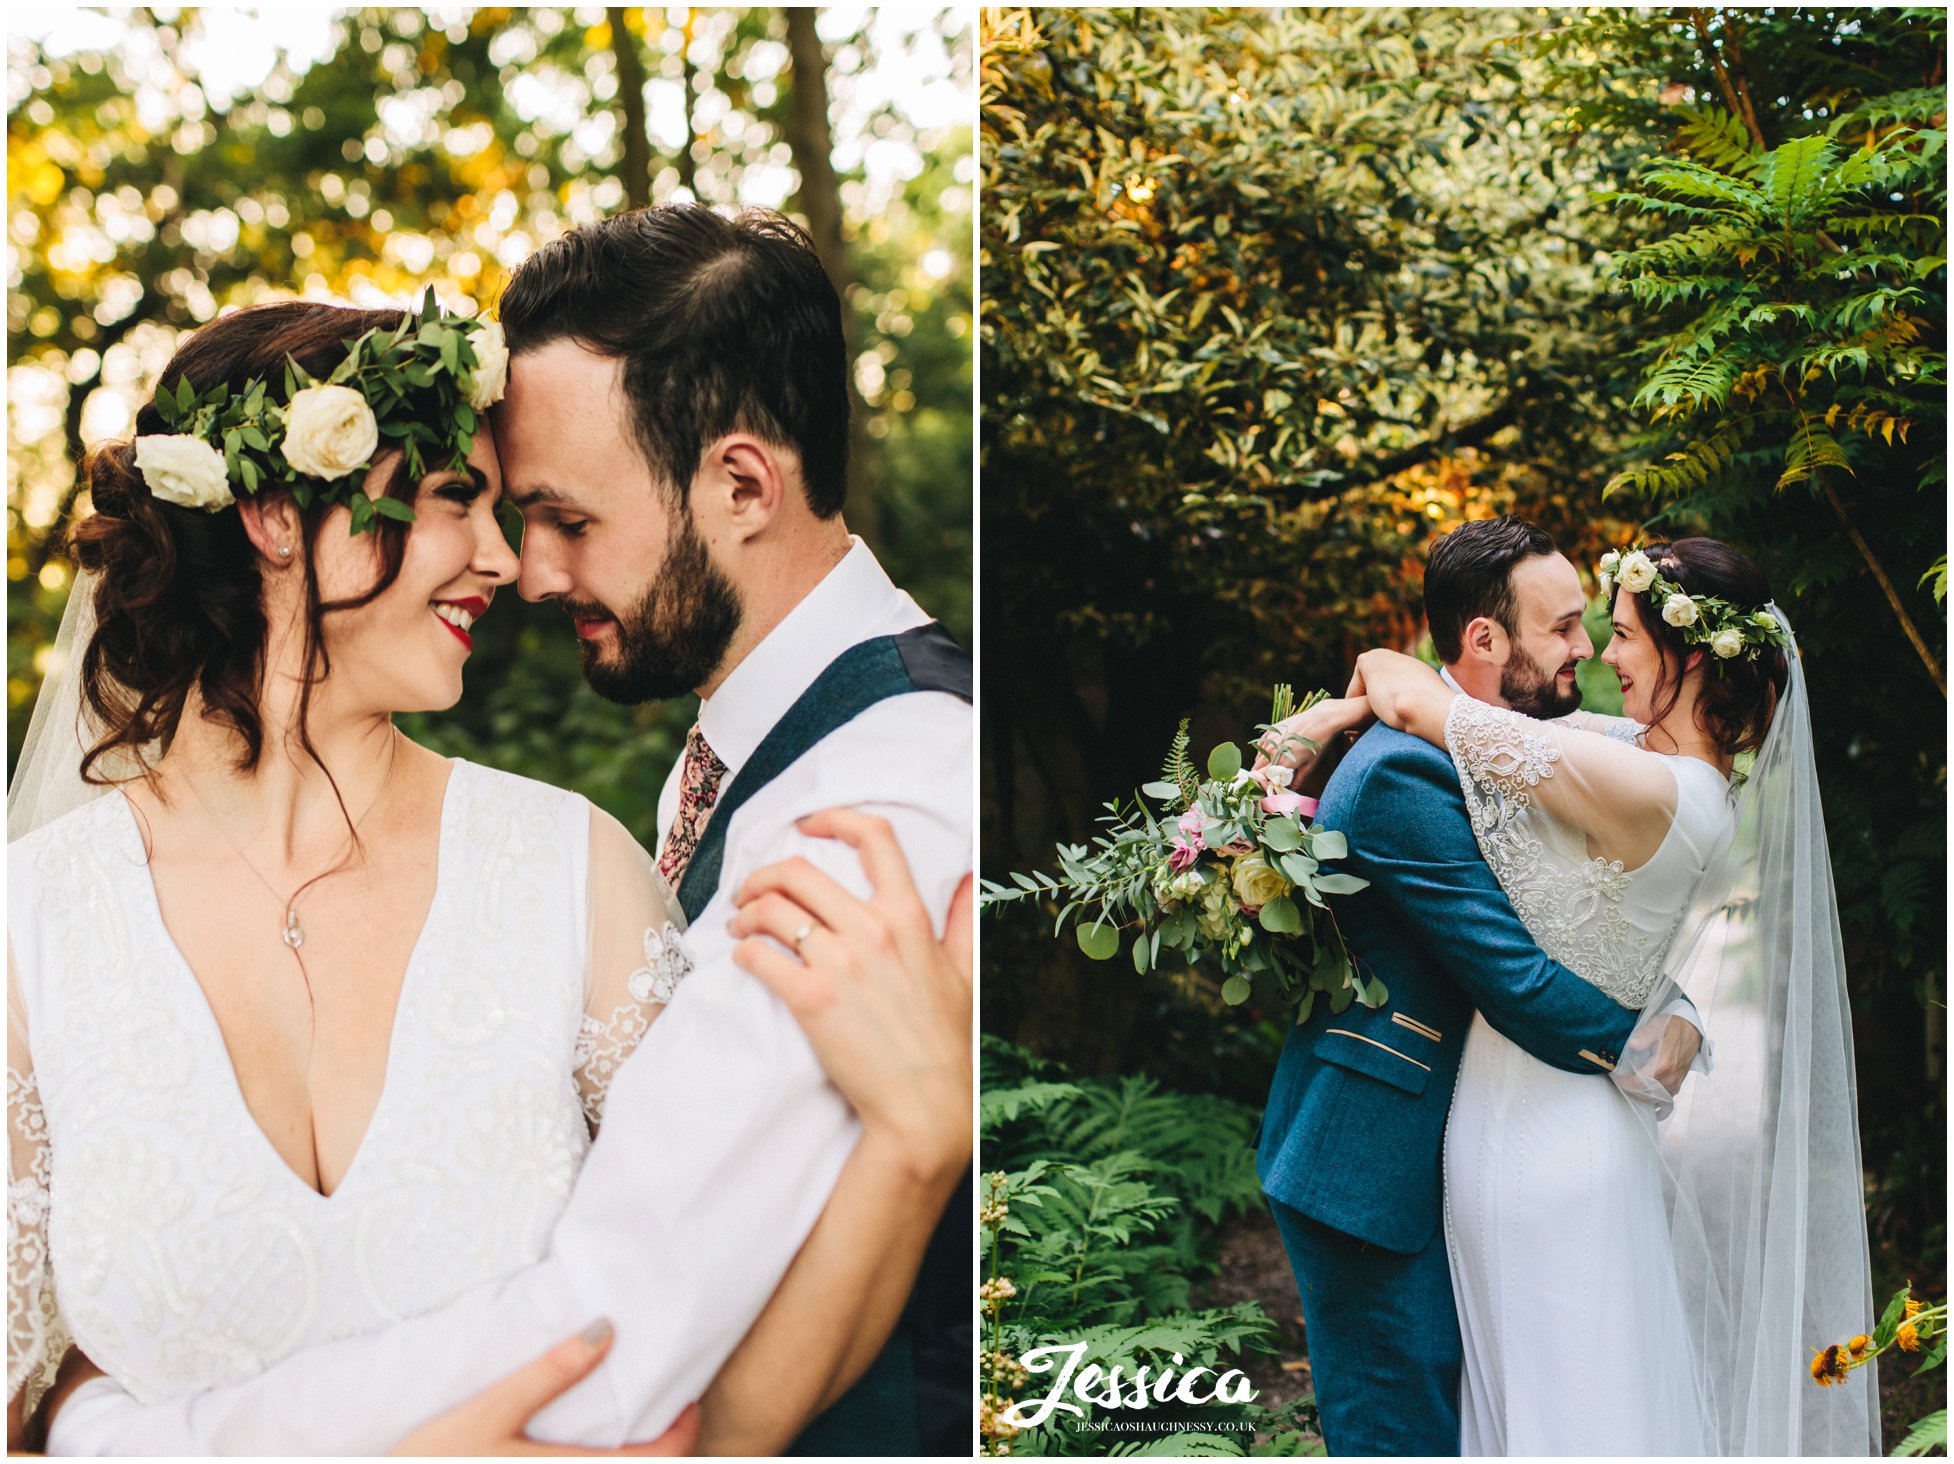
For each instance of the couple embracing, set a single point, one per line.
(362, 1098)
(1588, 1182)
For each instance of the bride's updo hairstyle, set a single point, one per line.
(179, 603)
(1737, 696)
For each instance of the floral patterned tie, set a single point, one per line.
(698, 790)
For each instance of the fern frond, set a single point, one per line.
(1719, 138)
(1793, 174)
(1177, 769)
(1812, 447)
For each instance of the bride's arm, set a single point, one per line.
(1621, 797)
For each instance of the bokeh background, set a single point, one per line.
(167, 164)
(1270, 299)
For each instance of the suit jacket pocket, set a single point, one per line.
(1373, 1058)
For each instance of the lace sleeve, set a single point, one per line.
(635, 957)
(1621, 797)
(1622, 729)
(35, 1337)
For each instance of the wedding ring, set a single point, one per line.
(802, 934)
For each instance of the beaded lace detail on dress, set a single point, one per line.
(602, 1046)
(1570, 902)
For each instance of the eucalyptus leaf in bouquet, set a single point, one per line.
(1228, 870)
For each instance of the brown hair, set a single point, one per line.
(1469, 573)
(1739, 695)
(179, 602)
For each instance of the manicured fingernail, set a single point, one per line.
(597, 1333)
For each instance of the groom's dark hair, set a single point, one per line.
(1469, 573)
(723, 325)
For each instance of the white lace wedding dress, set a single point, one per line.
(152, 1221)
(1562, 1269)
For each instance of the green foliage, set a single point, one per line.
(1110, 1192)
(431, 152)
(1929, 1434)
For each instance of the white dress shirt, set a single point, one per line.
(721, 1141)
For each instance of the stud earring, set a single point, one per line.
(284, 551)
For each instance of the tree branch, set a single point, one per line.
(1885, 583)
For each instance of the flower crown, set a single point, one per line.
(318, 438)
(1726, 629)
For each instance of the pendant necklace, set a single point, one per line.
(293, 934)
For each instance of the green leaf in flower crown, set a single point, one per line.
(393, 508)
(186, 398)
(1162, 791)
(1101, 941)
(1224, 762)
(1236, 990)
(1340, 884)
(1328, 844)
(1281, 917)
(1283, 834)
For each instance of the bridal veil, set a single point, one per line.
(1761, 1155)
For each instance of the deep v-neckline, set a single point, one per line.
(214, 1030)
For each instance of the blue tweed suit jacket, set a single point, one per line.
(1354, 1129)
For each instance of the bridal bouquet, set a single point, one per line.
(1230, 869)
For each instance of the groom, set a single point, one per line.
(675, 433)
(1351, 1142)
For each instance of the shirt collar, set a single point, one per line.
(854, 601)
(1445, 675)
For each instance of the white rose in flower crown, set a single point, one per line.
(329, 431)
(1727, 642)
(1765, 620)
(1679, 610)
(184, 470)
(1610, 562)
(491, 367)
(1255, 883)
(1636, 573)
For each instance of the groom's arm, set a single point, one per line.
(721, 1142)
(1408, 829)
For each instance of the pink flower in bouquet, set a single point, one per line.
(1287, 802)
(1192, 823)
(1237, 847)
(1183, 855)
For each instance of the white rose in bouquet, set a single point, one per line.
(1256, 883)
(329, 431)
(184, 470)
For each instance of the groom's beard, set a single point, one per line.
(1529, 688)
(675, 637)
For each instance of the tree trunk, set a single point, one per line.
(812, 144)
(635, 167)
(688, 166)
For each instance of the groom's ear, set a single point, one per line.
(744, 481)
(1486, 639)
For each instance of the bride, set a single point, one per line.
(1623, 1289)
(309, 1029)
